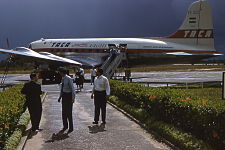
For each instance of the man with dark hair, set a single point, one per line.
(32, 91)
(100, 92)
(67, 94)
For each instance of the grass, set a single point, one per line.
(142, 68)
(17, 72)
(168, 68)
(211, 94)
(208, 93)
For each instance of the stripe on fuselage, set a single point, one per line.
(55, 50)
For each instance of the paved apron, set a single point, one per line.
(120, 133)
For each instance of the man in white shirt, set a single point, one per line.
(67, 94)
(93, 74)
(100, 92)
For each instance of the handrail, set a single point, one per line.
(111, 64)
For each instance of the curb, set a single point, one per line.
(155, 134)
(24, 138)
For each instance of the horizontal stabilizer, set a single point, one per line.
(179, 54)
(192, 54)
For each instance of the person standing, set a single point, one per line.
(93, 74)
(81, 76)
(100, 92)
(67, 94)
(32, 91)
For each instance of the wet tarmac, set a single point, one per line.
(118, 133)
(177, 77)
(15, 78)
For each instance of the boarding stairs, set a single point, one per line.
(111, 64)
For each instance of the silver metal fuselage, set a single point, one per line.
(138, 51)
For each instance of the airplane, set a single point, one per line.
(193, 41)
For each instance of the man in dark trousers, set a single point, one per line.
(32, 91)
(67, 94)
(100, 92)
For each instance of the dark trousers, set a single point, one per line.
(92, 79)
(67, 107)
(35, 115)
(100, 104)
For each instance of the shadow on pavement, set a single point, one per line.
(58, 136)
(27, 132)
(96, 128)
(31, 134)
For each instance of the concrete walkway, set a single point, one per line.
(120, 133)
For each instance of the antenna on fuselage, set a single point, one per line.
(7, 42)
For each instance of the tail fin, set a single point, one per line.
(197, 28)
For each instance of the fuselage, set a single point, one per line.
(138, 50)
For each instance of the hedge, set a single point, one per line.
(203, 118)
(11, 107)
(13, 141)
(162, 130)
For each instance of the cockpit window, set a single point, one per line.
(30, 47)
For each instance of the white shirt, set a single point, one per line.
(68, 86)
(93, 72)
(101, 83)
(81, 71)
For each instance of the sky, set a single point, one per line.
(24, 21)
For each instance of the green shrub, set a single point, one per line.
(202, 117)
(13, 141)
(176, 136)
(11, 107)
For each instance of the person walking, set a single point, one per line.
(100, 92)
(80, 73)
(67, 94)
(93, 74)
(32, 91)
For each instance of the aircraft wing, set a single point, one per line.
(60, 59)
(87, 61)
(23, 51)
(192, 54)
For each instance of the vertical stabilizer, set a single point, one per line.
(197, 28)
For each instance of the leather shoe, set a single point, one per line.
(39, 129)
(64, 129)
(95, 122)
(70, 130)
